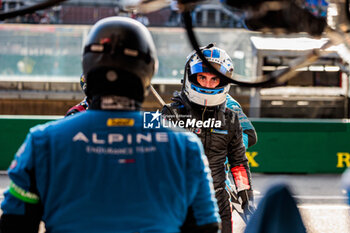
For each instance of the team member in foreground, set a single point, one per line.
(99, 170)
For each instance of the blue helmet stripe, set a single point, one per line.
(198, 68)
(216, 53)
(208, 91)
(223, 69)
(207, 53)
(211, 53)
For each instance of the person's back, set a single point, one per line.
(101, 170)
(115, 176)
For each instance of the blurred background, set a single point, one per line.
(40, 59)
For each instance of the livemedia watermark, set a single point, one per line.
(157, 120)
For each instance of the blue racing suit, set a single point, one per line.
(101, 171)
(249, 139)
(249, 134)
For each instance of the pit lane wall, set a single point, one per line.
(284, 146)
(300, 146)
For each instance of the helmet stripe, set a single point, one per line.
(208, 91)
(211, 53)
(199, 67)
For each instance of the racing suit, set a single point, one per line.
(101, 171)
(218, 143)
(249, 134)
(81, 107)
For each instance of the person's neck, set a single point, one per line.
(113, 102)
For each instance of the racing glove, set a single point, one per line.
(246, 199)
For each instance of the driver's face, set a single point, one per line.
(208, 80)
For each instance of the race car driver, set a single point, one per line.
(203, 98)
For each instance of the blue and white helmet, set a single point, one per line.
(204, 96)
